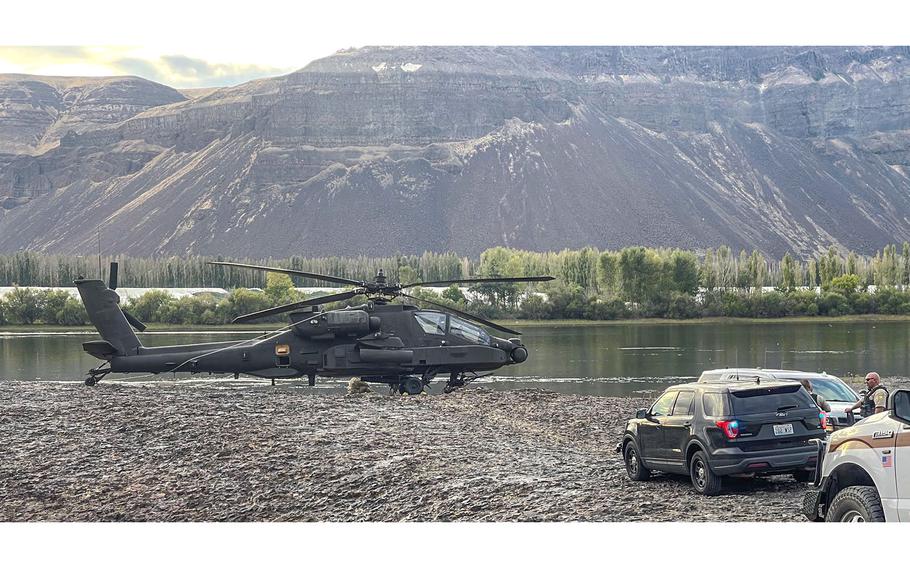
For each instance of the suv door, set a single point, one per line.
(650, 431)
(677, 426)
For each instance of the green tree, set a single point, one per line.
(639, 272)
(52, 303)
(846, 285)
(279, 288)
(72, 313)
(608, 272)
(788, 273)
(146, 307)
(23, 306)
(407, 275)
(682, 268)
(454, 294)
(708, 272)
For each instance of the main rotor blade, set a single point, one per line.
(475, 280)
(295, 305)
(291, 272)
(465, 315)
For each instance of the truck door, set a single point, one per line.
(900, 402)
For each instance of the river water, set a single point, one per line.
(608, 360)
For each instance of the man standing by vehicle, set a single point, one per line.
(819, 399)
(875, 399)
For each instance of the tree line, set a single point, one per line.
(590, 284)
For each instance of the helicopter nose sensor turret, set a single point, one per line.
(519, 355)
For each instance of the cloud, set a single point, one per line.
(179, 71)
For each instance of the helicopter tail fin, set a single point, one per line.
(114, 325)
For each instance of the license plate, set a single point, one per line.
(783, 429)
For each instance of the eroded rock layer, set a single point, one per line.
(380, 150)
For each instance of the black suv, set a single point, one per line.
(710, 430)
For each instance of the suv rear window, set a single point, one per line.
(771, 399)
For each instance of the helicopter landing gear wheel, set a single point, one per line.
(456, 381)
(96, 374)
(411, 386)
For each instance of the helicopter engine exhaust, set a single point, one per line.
(339, 323)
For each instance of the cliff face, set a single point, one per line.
(380, 150)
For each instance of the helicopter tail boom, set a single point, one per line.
(102, 306)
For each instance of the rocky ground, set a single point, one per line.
(177, 453)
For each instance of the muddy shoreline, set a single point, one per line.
(179, 453)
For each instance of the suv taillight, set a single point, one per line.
(730, 428)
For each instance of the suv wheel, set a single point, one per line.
(703, 479)
(856, 504)
(636, 470)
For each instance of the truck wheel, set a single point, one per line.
(636, 470)
(856, 504)
(803, 475)
(704, 480)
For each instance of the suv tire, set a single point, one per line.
(856, 504)
(704, 480)
(636, 470)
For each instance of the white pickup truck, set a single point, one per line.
(864, 474)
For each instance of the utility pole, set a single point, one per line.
(100, 270)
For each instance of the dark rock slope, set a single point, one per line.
(380, 150)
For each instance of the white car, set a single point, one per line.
(838, 394)
(865, 472)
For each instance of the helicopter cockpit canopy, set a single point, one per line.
(438, 323)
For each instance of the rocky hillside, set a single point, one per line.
(379, 150)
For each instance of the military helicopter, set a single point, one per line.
(398, 344)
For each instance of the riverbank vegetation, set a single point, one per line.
(634, 282)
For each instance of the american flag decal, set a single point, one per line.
(887, 461)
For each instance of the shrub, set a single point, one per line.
(23, 306)
(71, 313)
(146, 307)
(833, 304)
(682, 306)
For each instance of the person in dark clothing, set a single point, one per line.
(819, 399)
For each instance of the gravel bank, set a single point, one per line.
(178, 453)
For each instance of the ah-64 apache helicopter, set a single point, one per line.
(400, 345)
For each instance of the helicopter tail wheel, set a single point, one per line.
(95, 375)
(411, 386)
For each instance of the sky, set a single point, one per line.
(205, 44)
(176, 70)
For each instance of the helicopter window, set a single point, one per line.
(433, 323)
(470, 332)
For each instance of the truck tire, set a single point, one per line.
(856, 504)
(636, 470)
(704, 480)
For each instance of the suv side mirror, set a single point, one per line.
(641, 413)
(900, 405)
